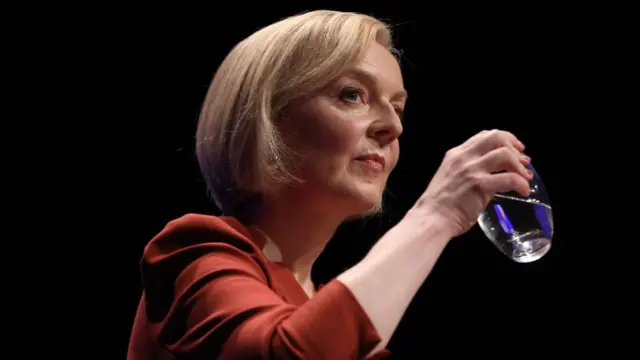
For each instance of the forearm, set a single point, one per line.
(387, 279)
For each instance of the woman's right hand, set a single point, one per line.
(469, 176)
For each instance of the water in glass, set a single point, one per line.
(520, 227)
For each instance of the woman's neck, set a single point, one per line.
(296, 234)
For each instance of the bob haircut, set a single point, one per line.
(239, 148)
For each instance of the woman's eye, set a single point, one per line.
(350, 95)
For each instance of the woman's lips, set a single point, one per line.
(373, 161)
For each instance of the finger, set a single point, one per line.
(505, 159)
(505, 182)
(488, 140)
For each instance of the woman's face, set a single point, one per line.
(347, 133)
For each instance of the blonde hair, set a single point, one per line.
(239, 148)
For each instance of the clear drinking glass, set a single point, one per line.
(521, 227)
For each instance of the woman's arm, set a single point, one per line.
(387, 279)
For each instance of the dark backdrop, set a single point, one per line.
(563, 78)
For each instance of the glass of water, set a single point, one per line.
(521, 227)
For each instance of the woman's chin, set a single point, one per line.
(357, 200)
(365, 204)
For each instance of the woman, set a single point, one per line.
(298, 133)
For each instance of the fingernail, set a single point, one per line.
(521, 145)
(526, 159)
(529, 173)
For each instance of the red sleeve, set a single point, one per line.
(210, 294)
